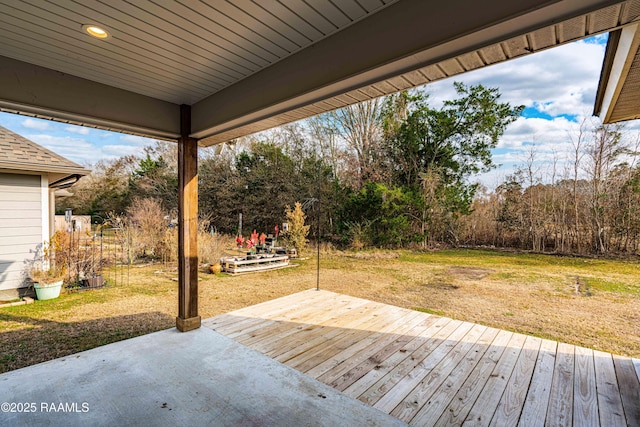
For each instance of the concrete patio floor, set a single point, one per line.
(175, 379)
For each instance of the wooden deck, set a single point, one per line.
(430, 370)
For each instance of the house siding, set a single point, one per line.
(21, 226)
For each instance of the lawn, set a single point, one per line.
(589, 302)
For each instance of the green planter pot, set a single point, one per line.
(46, 291)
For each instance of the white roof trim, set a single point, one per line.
(627, 46)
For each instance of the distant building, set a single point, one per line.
(29, 176)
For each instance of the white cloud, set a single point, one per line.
(81, 130)
(538, 131)
(82, 151)
(547, 142)
(561, 80)
(115, 151)
(136, 139)
(36, 124)
(492, 179)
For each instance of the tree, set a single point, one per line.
(603, 151)
(148, 224)
(510, 214)
(455, 140)
(105, 190)
(324, 132)
(157, 175)
(360, 126)
(265, 184)
(623, 208)
(382, 215)
(218, 182)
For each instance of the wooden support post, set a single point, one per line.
(188, 318)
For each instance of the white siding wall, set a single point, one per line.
(21, 225)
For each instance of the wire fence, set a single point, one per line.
(97, 258)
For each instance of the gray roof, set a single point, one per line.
(19, 153)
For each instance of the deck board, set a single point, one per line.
(512, 401)
(461, 403)
(453, 401)
(440, 373)
(357, 352)
(609, 400)
(309, 338)
(431, 370)
(420, 374)
(585, 397)
(402, 370)
(384, 368)
(629, 389)
(561, 396)
(358, 370)
(484, 407)
(271, 336)
(537, 400)
(636, 365)
(355, 355)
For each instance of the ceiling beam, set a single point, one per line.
(42, 92)
(403, 37)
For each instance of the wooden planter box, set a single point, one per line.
(94, 282)
(253, 263)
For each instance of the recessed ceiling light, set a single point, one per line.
(96, 31)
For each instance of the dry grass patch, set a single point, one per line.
(532, 294)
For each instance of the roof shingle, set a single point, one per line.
(20, 153)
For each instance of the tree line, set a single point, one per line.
(395, 172)
(590, 205)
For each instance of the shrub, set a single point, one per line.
(297, 233)
(148, 225)
(211, 246)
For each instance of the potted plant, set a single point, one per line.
(47, 276)
(89, 267)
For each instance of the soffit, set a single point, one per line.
(246, 66)
(444, 66)
(619, 89)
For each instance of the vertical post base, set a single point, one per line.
(185, 325)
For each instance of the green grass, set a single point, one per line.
(67, 302)
(529, 293)
(429, 310)
(522, 265)
(486, 257)
(602, 284)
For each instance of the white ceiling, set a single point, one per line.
(180, 51)
(245, 66)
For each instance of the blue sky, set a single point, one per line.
(81, 144)
(557, 87)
